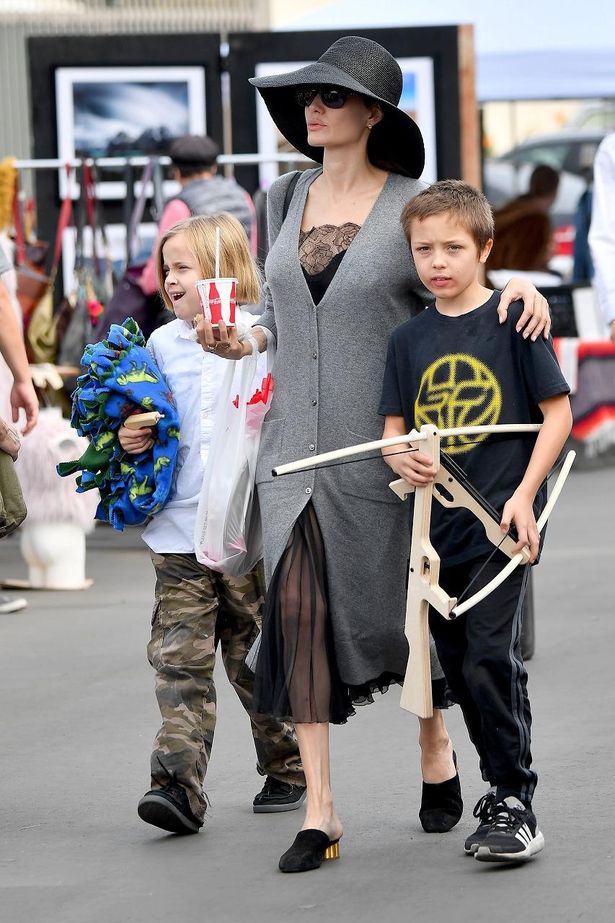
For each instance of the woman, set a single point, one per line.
(339, 279)
(523, 232)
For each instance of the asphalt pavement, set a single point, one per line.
(79, 715)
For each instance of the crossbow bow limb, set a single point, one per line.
(424, 589)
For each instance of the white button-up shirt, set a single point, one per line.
(194, 378)
(602, 230)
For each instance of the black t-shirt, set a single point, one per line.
(470, 371)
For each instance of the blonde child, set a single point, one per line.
(196, 608)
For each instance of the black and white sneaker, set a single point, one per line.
(513, 835)
(484, 812)
(277, 796)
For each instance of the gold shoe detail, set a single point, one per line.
(308, 851)
(332, 851)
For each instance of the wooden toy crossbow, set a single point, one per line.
(453, 490)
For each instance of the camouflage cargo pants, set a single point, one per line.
(196, 610)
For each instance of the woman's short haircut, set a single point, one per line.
(464, 202)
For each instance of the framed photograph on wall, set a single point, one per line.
(194, 58)
(123, 112)
(417, 100)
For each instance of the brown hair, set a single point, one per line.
(236, 260)
(544, 181)
(464, 202)
(524, 241)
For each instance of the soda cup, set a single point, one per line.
(218, 300)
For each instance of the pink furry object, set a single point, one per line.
(50, 498)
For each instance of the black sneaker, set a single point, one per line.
(169, 809)
(278, 796)
(513, 835)
(484, 812)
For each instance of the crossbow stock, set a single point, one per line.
(424, 589)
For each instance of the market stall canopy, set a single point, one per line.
(553, 49)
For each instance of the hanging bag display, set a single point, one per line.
(128, 298)
(42, 332)
(227, 534)
(81, 314)
(32, 281)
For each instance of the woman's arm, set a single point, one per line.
(12, 348)
(536, 317)
(230, 346)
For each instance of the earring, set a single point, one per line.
(369, 126)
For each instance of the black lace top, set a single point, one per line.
(321, 250)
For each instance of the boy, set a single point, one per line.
(453, 365)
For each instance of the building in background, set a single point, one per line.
(20, 19)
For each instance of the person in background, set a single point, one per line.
(203, 192)
(523, 231)
(22, 394)
(12, 348)
(602, 230)
(582, 265)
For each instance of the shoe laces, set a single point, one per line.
(484, 809)
(507, 818)
(274, 786)
(175, 788)
(171, 782)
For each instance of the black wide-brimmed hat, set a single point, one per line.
(356, 63)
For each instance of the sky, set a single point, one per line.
(532, 49)
(499, 27)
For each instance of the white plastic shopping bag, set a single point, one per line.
(227, 534)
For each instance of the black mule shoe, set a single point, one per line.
(441, 804)
(310, 848)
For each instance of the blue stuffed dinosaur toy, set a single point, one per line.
(121, 379)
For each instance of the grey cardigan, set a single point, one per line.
(328, 374)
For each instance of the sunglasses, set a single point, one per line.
(331, 97)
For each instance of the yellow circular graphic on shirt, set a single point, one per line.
(458, 390)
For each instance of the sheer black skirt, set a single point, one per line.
(297, 677)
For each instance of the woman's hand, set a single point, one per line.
(518, 512)
(134, 441)
(536, 317)
(220, 340)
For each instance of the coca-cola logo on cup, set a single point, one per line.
(218, 298)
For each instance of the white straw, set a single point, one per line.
(217, 276)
